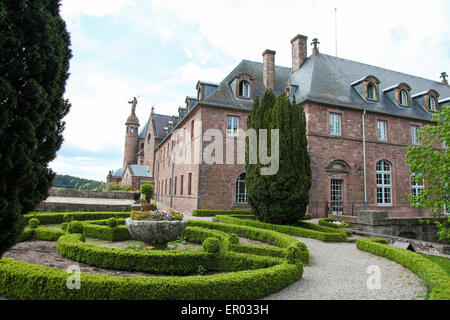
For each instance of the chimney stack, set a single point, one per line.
(299, 51)
(269, 69)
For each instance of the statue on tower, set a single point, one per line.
(133, 105)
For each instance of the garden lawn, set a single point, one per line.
(442, 262)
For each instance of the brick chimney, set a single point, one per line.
(269, 69)
(299, 51)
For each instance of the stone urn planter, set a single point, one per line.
(155, 233)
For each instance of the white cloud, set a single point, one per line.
(96, 8)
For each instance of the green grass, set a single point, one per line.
(442, 262)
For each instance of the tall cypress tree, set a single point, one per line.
(34, 63)
(281, 198)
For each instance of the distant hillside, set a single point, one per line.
(70, 182)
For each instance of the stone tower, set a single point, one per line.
(131, 136)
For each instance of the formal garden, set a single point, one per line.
(233, 257)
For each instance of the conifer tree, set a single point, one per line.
(34, 62)
(281, 198)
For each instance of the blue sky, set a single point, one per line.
(158, 50)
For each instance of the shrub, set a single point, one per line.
(331, 235)
(59, 217)
(212, 213)
(211, 245)
(34, 223)
(435, 278)
(75, 227)
(111, 222)
(126, 208)
(20, 280)
(68, 217)
(328, 222)
(147, 190)
(307, 216)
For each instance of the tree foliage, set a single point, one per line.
(431, 166)
(281, 198)
(71, 182)
(34, 63)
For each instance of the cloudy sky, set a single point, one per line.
(159, 49)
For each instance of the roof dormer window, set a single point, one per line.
(432, 102)
(371, 91)
(404, 98)
(244, 89)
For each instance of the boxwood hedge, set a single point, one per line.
(212, 213)
(330, 235)
(436, 279)
(58, 217)
(20, 280)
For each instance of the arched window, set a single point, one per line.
(384, 183)
(149, 137)
(403, 98)
(241, 189)
(371, 92)
(244, 89)
(432, 104)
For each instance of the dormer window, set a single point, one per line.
(432, 102)
(244, 89)
(371, 91)
(403, 98)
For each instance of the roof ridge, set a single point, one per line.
(377, 67)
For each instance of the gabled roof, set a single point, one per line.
(328, 79)
(160, 122)
(140, 170)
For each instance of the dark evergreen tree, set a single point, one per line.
(282, 198)
(34, 63)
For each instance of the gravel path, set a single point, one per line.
(338, 271)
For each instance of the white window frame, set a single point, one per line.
(415, 134)
(432, 105)
(403, 98)
(335, 124)
(371, 91)
(415, 186)
(382, 130)
(384, 183)
(241, 195)
(234, 130)
(245, 89)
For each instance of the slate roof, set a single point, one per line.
(140, 170)
(160, 122)
(143, 131)
(328, 79)
(223, 95)
(118, 173)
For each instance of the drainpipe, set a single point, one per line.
(364, 159)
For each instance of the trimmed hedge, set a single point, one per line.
(329, 236)
(436, 279)
(159, 261)
(119, 233)
(316, 227)
(275, 238)
(212, 213)
(20, 280)
(328, 222)
(40, 233)
(58, 217)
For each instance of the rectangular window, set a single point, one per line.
(336, 197)
(192, 129)
(384, 184)
(335, 124)
(416, 186)
(232, 126)
(170, 185)
(175, 186)
(382, 130)
(181, 185)
(189, 183)
(415, 134)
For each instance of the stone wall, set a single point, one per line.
(78, 207)
(93, 194)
